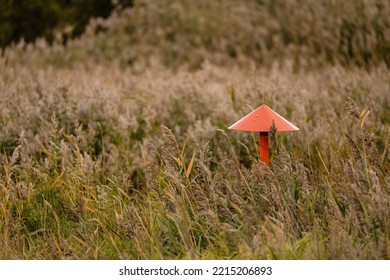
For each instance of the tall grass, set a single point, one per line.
(104, 159)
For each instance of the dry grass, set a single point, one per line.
(109, 157)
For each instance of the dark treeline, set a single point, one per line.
(30, 19)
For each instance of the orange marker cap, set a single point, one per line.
(260, 120)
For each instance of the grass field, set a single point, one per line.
(116, 145)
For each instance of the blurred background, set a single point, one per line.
(189, 32)
(43, 18)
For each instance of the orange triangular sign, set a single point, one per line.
(260, 120)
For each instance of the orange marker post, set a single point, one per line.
(260, 120)
(263, 148)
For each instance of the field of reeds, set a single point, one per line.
(115, 145)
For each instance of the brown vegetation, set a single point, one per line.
(116, 146)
